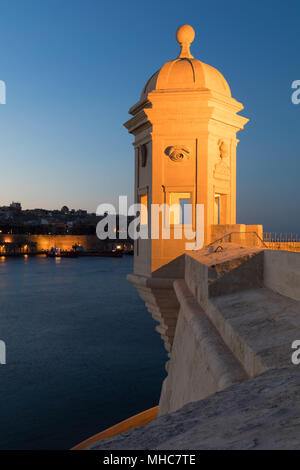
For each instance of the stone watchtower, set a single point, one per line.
(185, 127)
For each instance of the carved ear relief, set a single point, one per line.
(223, 149)
(177, 153)
(222, 169)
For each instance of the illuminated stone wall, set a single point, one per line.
(64, 242)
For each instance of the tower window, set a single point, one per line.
(144, 209)
(185, 211)
(217, 209)
(180, 208)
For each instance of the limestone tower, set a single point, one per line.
(185, 125)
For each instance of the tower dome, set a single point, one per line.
(185, 72)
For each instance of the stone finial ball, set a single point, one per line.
(185, 34)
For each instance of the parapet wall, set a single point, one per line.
(242, 233)
(201, 363)
(238, 316)
(282, 272)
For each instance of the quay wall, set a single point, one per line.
(64, 242)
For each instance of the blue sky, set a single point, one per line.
(73, 68)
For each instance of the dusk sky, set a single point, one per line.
(73, 68)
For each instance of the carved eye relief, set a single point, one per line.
(177, 154)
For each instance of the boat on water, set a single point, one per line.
(129, 252)
(76, 252)
(116, 253)
(57, 253)
(105, 254)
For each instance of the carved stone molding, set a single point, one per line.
(161, 301)
(177, 153)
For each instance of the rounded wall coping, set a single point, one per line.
(140, 419)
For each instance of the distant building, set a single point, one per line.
(64, 210)
(16, 206)
(81, 213)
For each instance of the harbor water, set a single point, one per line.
(81, 350)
